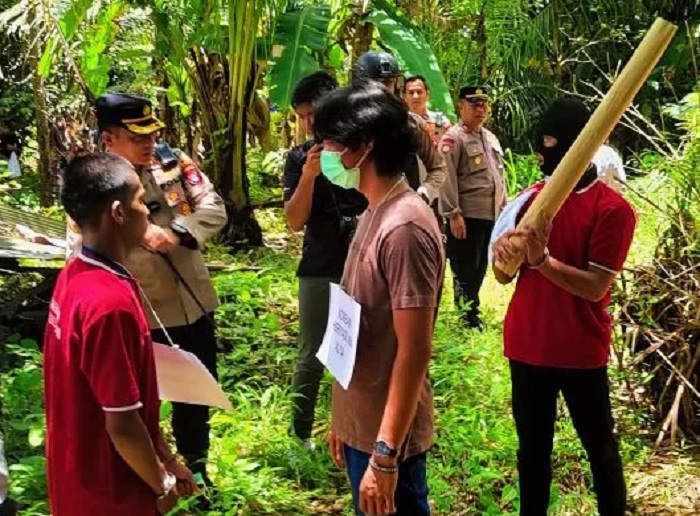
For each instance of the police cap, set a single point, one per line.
(474, 93)
(377, 65)
(133, 113)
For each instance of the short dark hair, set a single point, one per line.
(91, 182)
(311, 88)
(414, 78)
(363, 112)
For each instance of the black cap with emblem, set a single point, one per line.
(133, 113)
(474, 93)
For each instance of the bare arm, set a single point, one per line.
(298, 207)
(591, 285)
(186, 484)
(133, 443)
(414, 333)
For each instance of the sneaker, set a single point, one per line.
(309, 445)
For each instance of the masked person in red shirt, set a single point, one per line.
(557, 330)
(105, 453)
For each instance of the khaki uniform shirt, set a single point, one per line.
(474, 186)
(427, 171)
(437, 125)
(182, 195)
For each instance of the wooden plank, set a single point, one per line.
(18, 249)
(10, 217)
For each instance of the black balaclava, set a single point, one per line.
(564, 120)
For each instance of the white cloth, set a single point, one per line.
(4, 475)
(609, 164)
(508, 218)
(14, 167)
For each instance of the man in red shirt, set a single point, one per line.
(104, 449)
(557, 329)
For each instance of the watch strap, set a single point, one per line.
(382, 449)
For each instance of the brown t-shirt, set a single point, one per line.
(400, 266)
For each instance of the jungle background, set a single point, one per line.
(221, 74)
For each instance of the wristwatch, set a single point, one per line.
(382, 449)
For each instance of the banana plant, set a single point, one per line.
(301, 33)
(412, 51)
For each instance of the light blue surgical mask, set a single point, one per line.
(333, 168)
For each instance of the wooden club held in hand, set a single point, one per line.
(606, 116)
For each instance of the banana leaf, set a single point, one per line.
(413, 53)
(68, 25)
(299, 33)
(95, 62)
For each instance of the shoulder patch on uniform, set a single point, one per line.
(190, 171)
(192, 174)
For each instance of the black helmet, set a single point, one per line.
(376, 65)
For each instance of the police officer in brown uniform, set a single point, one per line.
(472, 197)
(185, 212)
(427, 180)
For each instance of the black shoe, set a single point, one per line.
(8, 508)
(473, 322)
(203, 499)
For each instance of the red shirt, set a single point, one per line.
(547, 326)
(98, 357)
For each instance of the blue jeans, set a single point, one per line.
(411, 496)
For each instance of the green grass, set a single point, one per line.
(260, 469)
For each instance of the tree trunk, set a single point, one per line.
(556, 43)
(43, 134)
(242, 227)
(361, 31)
(414, 9)
(480, 37)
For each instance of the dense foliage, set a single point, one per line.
(221, 73)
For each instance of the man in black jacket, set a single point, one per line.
(328, 215)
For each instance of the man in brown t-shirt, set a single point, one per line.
(383, 424)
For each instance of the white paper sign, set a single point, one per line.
(339, 347)
(183, 378)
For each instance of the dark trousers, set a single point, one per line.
(469, 262)
(411, 498)
(587, 396)
(191, 422)
(314, 296)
